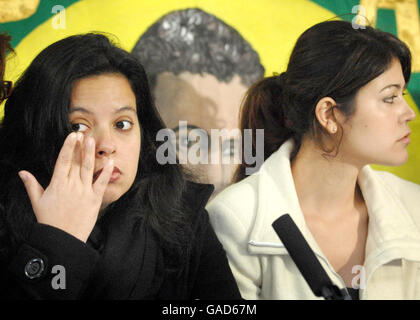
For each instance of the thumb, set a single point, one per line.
(33, 188)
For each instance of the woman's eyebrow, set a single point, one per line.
(81, 109)
(398, 86)
(126, 108)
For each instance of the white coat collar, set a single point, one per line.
(389, 221)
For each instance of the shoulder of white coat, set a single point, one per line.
(238, 202)
(399, 185)
(407, 192)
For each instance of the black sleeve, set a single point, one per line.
(51, 264)
(214, 278)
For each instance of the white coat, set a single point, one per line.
(243, 213)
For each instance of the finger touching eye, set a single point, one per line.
(79, 127)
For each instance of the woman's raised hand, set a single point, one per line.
(71, 202)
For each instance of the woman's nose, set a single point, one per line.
(105, 144)
(410, 114)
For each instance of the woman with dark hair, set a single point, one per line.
(97, 217)
(338, 107)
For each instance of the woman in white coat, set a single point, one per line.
(338, 108)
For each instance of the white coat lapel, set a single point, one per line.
(392, 234)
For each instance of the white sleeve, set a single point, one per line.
(233, 234)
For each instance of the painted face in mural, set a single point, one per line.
(204, 103)
(200, 68)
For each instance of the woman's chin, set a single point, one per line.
(395, 161)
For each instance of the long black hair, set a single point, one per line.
(330, 59)
(36, 123)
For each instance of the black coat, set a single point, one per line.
(122, 259)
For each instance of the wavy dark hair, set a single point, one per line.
(36, 123)
(330, 59)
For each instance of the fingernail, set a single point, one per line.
(79, 136)
(22, 175)
(73, 135)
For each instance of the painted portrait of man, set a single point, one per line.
(199, 69)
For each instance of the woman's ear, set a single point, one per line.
(326, 115)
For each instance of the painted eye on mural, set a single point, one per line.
(184, 142)
(193, 137)
(189, 136)
(230, 147)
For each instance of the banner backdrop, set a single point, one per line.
(201, 56)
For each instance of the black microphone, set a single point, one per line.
(306, 261)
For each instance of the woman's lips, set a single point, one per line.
(116, 173)
(405, 139)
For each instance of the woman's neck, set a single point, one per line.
(326, 187)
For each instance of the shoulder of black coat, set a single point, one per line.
(197, 194)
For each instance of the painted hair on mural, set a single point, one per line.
(330, 59)
(198, 42)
